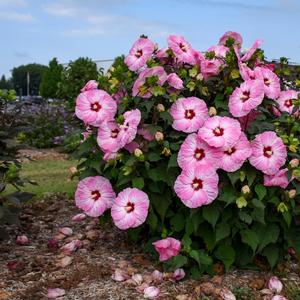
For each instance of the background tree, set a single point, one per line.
(19, 78)
(50, 79)
(75, 76)
(4, 84)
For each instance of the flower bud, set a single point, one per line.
(138, 152)
(151, 292)
(199, 77)
(22, 240)
(166, 151)
(275, 284)
(292, 193)
(55, 293)
(79, 217)
(66, 231)
(241, 202)
(294, 163)
(73, 170)
(282, 207)
(159, 136)
(212, 111)
(245, 189)
(178, 274)
(160, 107)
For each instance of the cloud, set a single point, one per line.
(21, 54)
(16, 16)
(13, 3)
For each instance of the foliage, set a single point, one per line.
(4, 83)
(50, 79)
(19, 78)
(239, 226)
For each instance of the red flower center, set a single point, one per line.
(230, 151)
(199, 154)
(218, 131)
(189, 114)
(288, 103)
(95, 106)
(245, 96)
(139, 53)
(114, 133)
(268, 151)
(267, 81)
(182, 47)
(129, 207)
(197, 184)
(96, 195)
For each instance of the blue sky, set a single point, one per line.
(38, 30)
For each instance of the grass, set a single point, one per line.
(52, 176)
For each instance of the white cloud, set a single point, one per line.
(16, 16)
(13, 3)
(60, 9)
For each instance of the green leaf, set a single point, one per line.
(271, 252)
(245, 217)
(258, 203)
(222, 231)
(152, 219)
(260, 191)
(161, 203)
(153, 156)
(138, 183)
(234, 177)
(178, 222)
(220, 102)
(172, 161)
(250, 238)
(226, 254)
(267, 234)
(211, 214)
(178, 261)
(201, 257)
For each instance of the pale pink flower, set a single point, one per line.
(167, 248)
(145, 133)
(140, 89)
(198, 57)
(188, 114)
(131, 147)
(270, 80)
(22, 240)
(55, 293)
(210, 67)
(197, 186)
(275, 284)
(157, 276)
(182, 50)
(238, 40)
(220, 131)
(175, 81)
(90, 85)
(66, 230)
(71, 247)
(120, 275)
(286, 100)
(94, 195)
(268, 153)
(79, 217)
(110, 156)
(128, 129)
(140, 52)
(178, 274)
(130, 208)
(234, 156)
(248, 54)
(248, 96)
(95, 106)
(137, 278)
(196, 152)
(151, 292)
(219, 50)
(227, 295)
(278, 179)
(278, 297)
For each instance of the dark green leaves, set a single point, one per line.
(226, 254)
(211, 214)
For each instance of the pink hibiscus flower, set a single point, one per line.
(238, 40)
(220, 131)
(195, 152)
(210, 67)
(182, 50)
(234, 157)
(145, 133)
(175, 81)
(248, 119)
(140, 52)
(90, 85)
(188, 114)
(279, 179)
(248, 96)
(248, 54)
(286, 100)
(140, 89)
(197, 186)
(219, 50)
(268, 153)
(167, 248)
(130, 208)
(128, 129)
(95, 106)
(94, 195)
(245, 71)
(271, 81)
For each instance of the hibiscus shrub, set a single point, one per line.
(196, 153)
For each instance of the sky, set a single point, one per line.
(35, 31)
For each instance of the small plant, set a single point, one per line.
(243, 293)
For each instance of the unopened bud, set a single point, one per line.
(160, 107)
(245, 189)
(282, 207)
(166, 151)
(212, 111)
(200, 77)
(159, 136)
(292, 194)
(294, 163)
(138, 152)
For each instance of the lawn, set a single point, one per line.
(51, 176)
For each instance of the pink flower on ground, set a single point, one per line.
(55, 293)
(167, 248)
(275, 284)
(128, 129)
(234, 156)
(279, 297)
(140, 52)
(95, 106)
(188, 114)
(90, 85)
(157, 276)
(196, 152)
(175, 81)
(151, 292)
(71, 247)
(182, 50)
(130, 208)
(79, 217)
(268, 153)
(248, 96)
(270, 80)
(140, 89)
(251, 51)
(286, 100)
(120, 275)
(227, 295)
(66, 231)
(238, 40)
(94, 195)
(178, 274)
(22, 240)
(220, 131)
(197, 186)
(279, 179)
